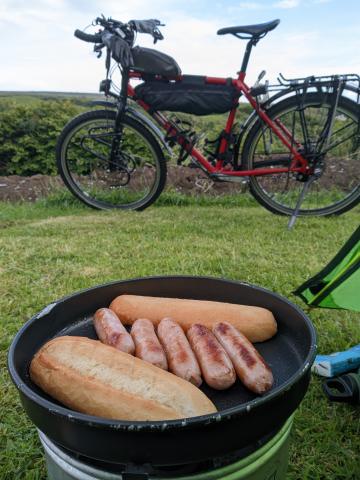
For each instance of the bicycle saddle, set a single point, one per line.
(250, 30)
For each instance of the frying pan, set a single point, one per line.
(242, 417)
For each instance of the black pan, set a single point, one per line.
(242, 418)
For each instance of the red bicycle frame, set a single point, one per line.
(298, 163)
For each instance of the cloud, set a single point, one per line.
(283, 4)
(287, 4)
(42, 54)
(251, 5)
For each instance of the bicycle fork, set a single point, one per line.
(118, 127)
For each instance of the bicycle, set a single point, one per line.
(298, 150)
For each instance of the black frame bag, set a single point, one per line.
(189, 95)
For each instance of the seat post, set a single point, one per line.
(252, 42)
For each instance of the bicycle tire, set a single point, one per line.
(69, 164)
(347, 108)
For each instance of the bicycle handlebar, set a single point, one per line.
(119, 38)
(123, 30)
(87, 37)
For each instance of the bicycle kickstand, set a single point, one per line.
(299, 202)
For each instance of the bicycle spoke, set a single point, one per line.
(328, 139)
(338, 142)
(110, 179)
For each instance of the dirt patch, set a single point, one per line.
(186, 180)
(14, 188)
(182, 179)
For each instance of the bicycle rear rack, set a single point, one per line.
(347, 77)
(349, 81)
(327, 84)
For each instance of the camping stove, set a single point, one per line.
(266, 459)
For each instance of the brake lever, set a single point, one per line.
(157, 35)
(98, 49)
(100, 20)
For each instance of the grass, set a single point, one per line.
(27, 98)
(55, 247)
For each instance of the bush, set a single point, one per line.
(28, 134)
(29, 130)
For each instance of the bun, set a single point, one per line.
(96, 379)
(256, 323)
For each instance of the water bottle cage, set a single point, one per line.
(226, 156)
(184, 135)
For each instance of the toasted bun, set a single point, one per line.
(256, 323)
(96, 379)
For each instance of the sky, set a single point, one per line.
(38, 51)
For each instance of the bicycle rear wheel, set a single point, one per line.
(131, 180)
(337, 188)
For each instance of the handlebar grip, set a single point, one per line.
(87, 37)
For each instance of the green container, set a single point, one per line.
(269, 462)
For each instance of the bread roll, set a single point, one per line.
(93, 378)
(256, 323)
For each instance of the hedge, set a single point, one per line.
(29, 130)
(28, 134)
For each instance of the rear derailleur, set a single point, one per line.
(316, 165)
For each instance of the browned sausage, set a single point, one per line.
(181, 359)
(112, 332)
(251, 368)
(147, 345)
(216, 366)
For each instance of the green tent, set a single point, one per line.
(338, 284)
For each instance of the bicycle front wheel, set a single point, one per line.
(132, 179)
(336, 157)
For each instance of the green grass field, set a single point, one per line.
(53, 248)
(34, 97)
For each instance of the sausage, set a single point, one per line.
(112, 332)
(251, 368)
(216, 366)
(147, 345)
(181, 359)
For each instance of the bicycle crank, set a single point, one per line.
(222, 177)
